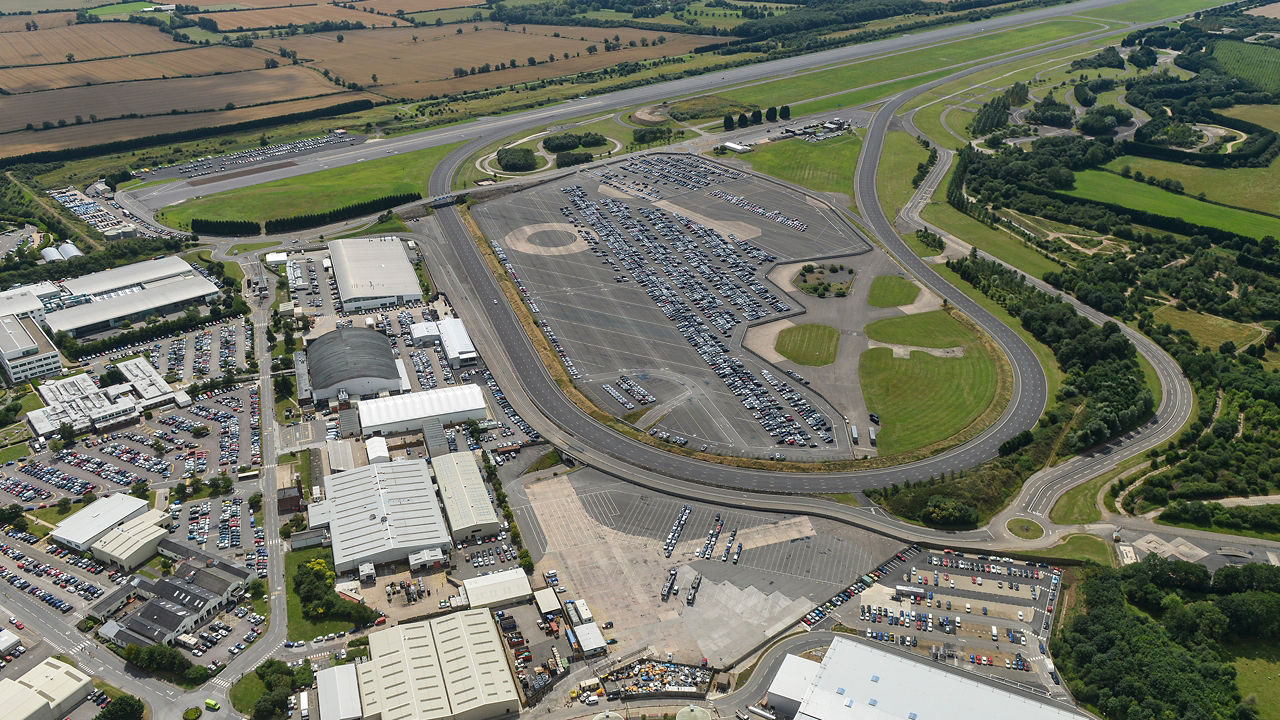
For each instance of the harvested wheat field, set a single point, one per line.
(298, 15)
(85, 42)
(42, 6)
(416, 69)
(193, 62)
(18, 23)
(412, 6)
(157, 97)
(1271, 11)
(22, 142)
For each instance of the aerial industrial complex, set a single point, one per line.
(373, 273)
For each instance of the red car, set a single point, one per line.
(19, 625)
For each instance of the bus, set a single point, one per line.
(302, 705)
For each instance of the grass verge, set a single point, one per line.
(898, 160)
(299, 627)
(1081, 547)
(825, 166)
(809, 344)
(551, 458)
(892, 291)
(246, 692)
(1025, 528)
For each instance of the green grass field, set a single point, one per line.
(997, 243)
(809, 344)
(392, 225)
(246, 692)
(300, 628)
(13, 452)
(945, 56)
(925, 399)
(1143, 10)
(1107, 187)
(864, 95)
(936, 329)
(898, 160)
(250, 247)
(1250, 188)
(314, 192)
(120, 8)
(1025, 529)
(1258, 65)
(1257, 663)
(825, 166)
(1208, 330)
(1081, 547)
(892, 291)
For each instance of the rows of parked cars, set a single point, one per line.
(819, 613)
(45, 596)
(218, 163)
(57, 478)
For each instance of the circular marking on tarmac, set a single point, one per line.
(556, 239)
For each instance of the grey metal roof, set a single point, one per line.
(348, 353)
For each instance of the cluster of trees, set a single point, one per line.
(1108, 58)
(1100, 362)
(1051, 111)
(313, 582)
(773, 114)
(993, 115)
(573, 157)
(1103, 119)
(517, 159)
(123, 707)
(922, 169)
(1173, 658)
(931, 240)
(166, 662)
(1212, 515)
(573, 141)
(20, 268)
(280, 681)
(225, 227)
(650, 135)
(354, 210)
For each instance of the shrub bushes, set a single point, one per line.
(569, 159)
(517, 159)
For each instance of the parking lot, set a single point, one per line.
(645, 274)
(200, 354)
(989, 614)
(253, 158)
(608, 541)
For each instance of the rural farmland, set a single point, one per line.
(18, 23)
(83, 42)
(154, 97)
(234, 20)
(192, 62)
(406, 68)
(390, 7)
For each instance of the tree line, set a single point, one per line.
(354, 210)
(772, 114)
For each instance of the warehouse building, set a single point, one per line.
(451, 667)
(28, 300)
(25, 351)
(433, 437)
(424, 333)
(338, 693)
(83, 529)
(132, 543)
(345, 455)
(406, 413)
(465, 497)
(883, 683)
(380, 514)
(48, 691)
(458, 348)
(106, 299)
(354, 361)
(376, 450)
(76, 401)
(498, 590)
(199, 589)
(373, 273)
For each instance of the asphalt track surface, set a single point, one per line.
(492, 129)
(1029, 391)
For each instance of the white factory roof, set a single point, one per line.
(139, 299)
(372, 267)
(125, 276)
(462, 489)
(23, 300)
(455, 339)
(47, 690)
(499, 588)
(148, 384)
(101, 515)
(546, 600)
(339, 693)
(861, 681)
(426, 330)
(376, 450)
(345, 455)
(14, 337)
(275, 258)
(590, 639)
(420, 405)
(449, 667)
(124, 541)
(382, 507)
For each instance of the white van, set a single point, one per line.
(968, 607)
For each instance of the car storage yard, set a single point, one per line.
(607, 541)
(945, 604)
(653, 268)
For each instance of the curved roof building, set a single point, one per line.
(354, 359)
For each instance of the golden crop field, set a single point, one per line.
(22, 142)
(18, 23)
(417, 69)
(41, 6)
(412, 6)
(195, 61)
(1271, 11)
(298, 15)
(85, 42)
(155, 97)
